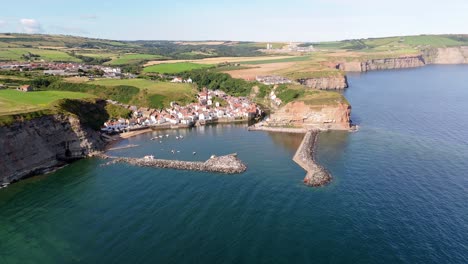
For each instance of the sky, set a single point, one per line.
(246, 20)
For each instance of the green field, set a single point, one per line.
(159, 94)
(396, 43)
(133, 58)
(15, 54)
(12, 101)
(172, 68)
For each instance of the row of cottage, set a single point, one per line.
(208, 109)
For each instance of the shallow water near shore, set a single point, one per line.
(399, 191)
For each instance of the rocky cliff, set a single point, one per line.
(42, 144)
(383, 64)
(326, 83)
(300, 114)
(455, 55)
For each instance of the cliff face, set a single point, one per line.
(383, 64)
(40, 145)
(299, 114)
(456, 55)
(326, 83)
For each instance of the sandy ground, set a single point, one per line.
(134, 133)
(220, 60)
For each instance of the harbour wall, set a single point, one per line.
(316, 175)
(228, 164)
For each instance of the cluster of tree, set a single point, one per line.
(177, 51)
(216, 80)
(30, 56)
(91, 60)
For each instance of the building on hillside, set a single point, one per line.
(273, 79)
(24, 88)
(177, 80)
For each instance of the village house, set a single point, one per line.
(24, 88)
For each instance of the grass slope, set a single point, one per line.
(154, 93)
(172, 68)
(12, 101)
(15, 54)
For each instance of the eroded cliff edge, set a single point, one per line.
(451, 55)
(325, 83)
(39, 145)
(300, 114)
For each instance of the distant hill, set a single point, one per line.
(394, 43)
(21, 47)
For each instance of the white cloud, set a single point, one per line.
(30, 26)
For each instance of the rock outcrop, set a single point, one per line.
(383, 64)
(299, 114)
(452, 55)
(455, 55)
(326, 83)
(316, 175)
(40, 145)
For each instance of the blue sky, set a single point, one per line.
(256, 20)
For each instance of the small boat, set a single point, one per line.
(194, 153)
(181, 137)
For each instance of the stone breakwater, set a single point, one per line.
(228, 164)
(316, 175)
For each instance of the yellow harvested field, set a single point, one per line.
(261, 69)
(221, 60)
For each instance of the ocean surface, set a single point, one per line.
(399, 192)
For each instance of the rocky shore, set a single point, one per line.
(316, 174)
(228, 164)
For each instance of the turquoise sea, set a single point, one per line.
(399, 192)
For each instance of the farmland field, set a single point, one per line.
(218, 60)
(274, 60)
(12, 101)
(15, 54)
(133, 58)
(171, 68)
(159, 93)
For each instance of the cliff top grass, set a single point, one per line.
(13, 101)
(91, 112)
(319, 98)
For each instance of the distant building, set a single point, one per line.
(177, 80)
(25, 88)
(273, 79)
